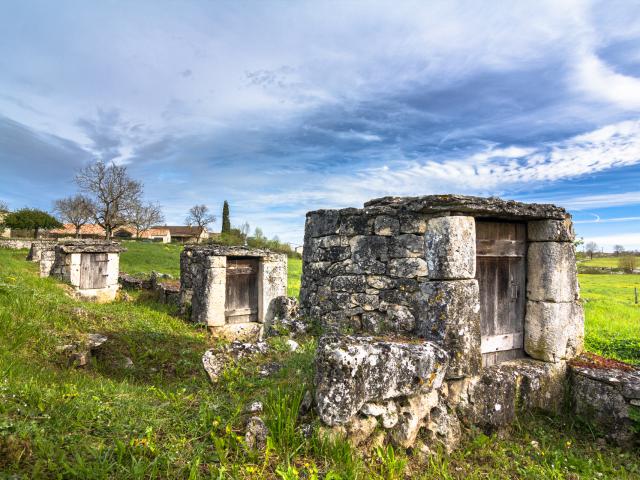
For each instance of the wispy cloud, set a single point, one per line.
(287, 107)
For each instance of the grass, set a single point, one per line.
(162, 418)
(612, 319)
(609, 262)
(294, 275)
(143, 257)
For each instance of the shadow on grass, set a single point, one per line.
(150, 357)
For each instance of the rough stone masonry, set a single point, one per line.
(400, 276)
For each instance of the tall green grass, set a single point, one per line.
(160, 418)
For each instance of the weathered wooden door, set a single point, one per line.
(93, 270)
(241, 303)
(501, 273)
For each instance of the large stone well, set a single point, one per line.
(491, 283)
(231, 289)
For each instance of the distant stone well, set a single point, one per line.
(231, 289)
(492, 283)
(91, 267)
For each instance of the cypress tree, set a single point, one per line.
(226, 223)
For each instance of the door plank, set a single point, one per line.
(501, 273)
(241, 301)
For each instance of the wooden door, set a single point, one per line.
(501, 273)
(93, 270)
(241, 304)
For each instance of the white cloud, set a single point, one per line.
(598, 80)
(630, 241)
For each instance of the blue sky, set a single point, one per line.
(284, 107)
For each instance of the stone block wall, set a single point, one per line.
(15, 244)
(554, 322)
(363, 269)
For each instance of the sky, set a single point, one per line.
(282, 107)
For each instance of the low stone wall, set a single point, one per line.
(607, 393)
(15, 244)
(168, 292)
(37, 249)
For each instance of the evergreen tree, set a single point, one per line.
(31, 219)
(226, 223)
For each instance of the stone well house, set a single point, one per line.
(231, 289)
(187, 234)
(477, 298)
(90, 267)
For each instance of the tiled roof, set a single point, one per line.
(70, 229)
(182, 230)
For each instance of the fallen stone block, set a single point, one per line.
(351, 371)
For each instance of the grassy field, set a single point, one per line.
(161, 418)
(612, 319)
(143, 257)
(609, 262)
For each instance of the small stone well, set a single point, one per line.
(231, 289)
(490, 285)
(91, 267)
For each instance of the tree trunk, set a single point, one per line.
(78, 231)
(107, 232)
(35, 233)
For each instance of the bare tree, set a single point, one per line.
(199, 216)
(76, 210)
(114, 193)
(3, 207)
(143, 217)
(618, 250)
(591, 248)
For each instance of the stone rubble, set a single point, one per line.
(256, 433)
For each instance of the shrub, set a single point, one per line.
(627, 263)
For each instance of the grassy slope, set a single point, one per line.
(163, 419)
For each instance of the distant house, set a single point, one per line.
(156, 234)
(187, 234)
(90, 230)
